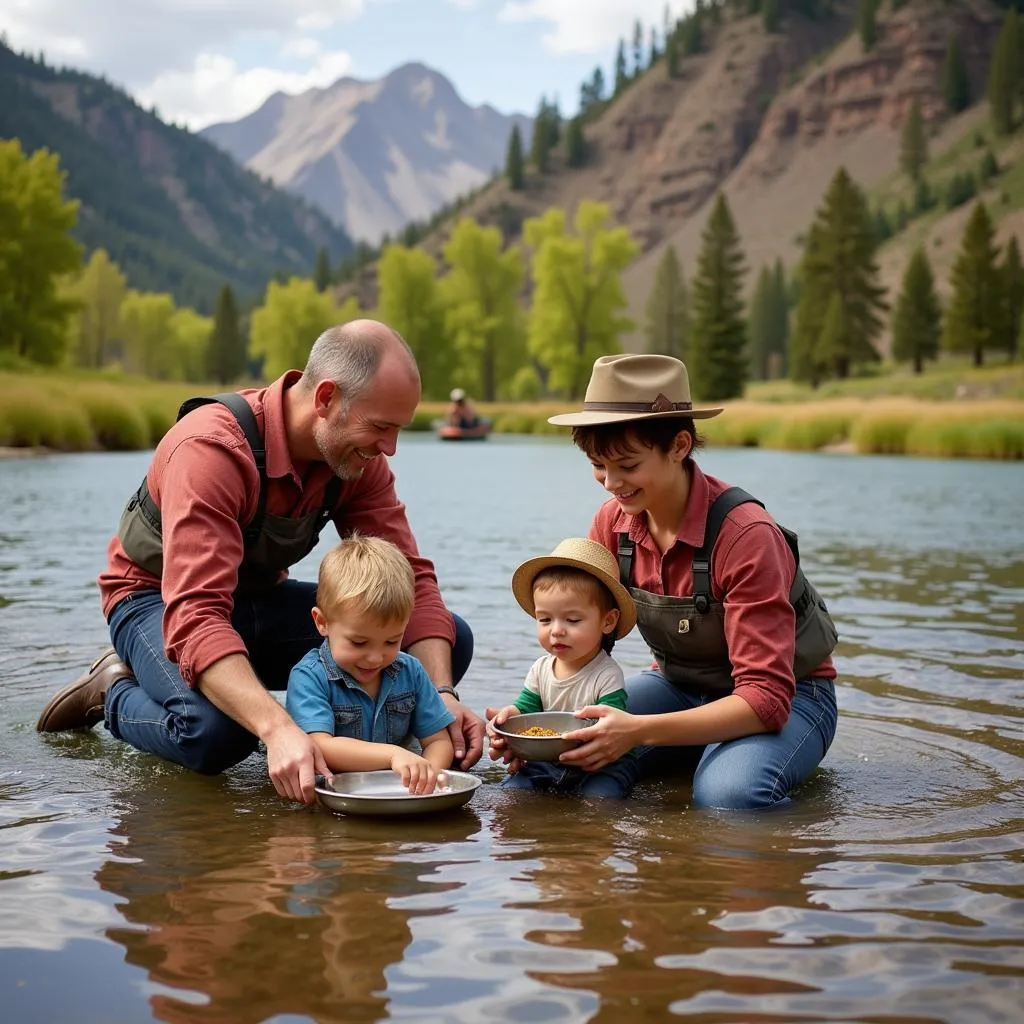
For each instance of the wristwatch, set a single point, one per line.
(449, 689)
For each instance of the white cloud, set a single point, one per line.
(174, 52)
(463, 5)
(214, 89)
(589, 26)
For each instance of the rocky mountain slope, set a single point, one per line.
(174, 211)
(374, 155)
(767, 117)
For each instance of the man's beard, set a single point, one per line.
(341, 469)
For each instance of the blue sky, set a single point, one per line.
(202, 61)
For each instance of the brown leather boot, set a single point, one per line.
(80, 704)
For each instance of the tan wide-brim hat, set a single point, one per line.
(577, 553)
(635, 387)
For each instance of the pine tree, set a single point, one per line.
(956, 86)
(621, 73)
(638, 49)
(1013, 291)
(867, 24)
(917, 320)
(226, 352)
(667, 326)
(1004, 75)
(779, 337)
(718, 337)
(514, 160)
(653, 52)
(975, 316)
(575, 143)
(543, 141)
(914, 143)
(839, 257)
(759, 323)
(322, 273)
(771, 13)
(672, 55)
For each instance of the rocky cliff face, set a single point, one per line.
(374, 155)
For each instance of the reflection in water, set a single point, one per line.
(891, 889)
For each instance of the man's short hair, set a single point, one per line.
(368, 573)
(350, 355)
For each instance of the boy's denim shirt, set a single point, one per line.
(324, 698)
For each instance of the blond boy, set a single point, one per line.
(359, 696)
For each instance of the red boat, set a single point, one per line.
(478, 432)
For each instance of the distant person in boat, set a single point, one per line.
(581, 609)
(461, 412)
(742, 692)
(359, 696)
(196, 590)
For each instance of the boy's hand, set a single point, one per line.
(498, 746)
(418, 775)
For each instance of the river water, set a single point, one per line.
(891, 889)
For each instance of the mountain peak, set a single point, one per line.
(374, 154)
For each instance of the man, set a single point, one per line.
(461, 412)
(196, 592)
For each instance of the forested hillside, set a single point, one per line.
(171, 209)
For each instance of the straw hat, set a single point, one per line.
(630, 387)
(578, 553)
(457, 395)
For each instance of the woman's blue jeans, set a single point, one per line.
(158, 713)
(747, 773)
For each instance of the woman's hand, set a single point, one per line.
(613, 735)
(418, 775)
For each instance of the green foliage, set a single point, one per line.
(35, 250)
(119, 160)
(638, 48)
(914, 143)
(839, 259)
(1013, 292)
(578, 302)
(97, 292)
(975, 317)
(668, 316)
(718, 362)
(960, 189)
(410, 302)
(989, 166)
(482, 316)
(917, 319)
(226, 354)
(956, 85)
(514, 159)
(292, 317)
(1006, 75)
(771, 14)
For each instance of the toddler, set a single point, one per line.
(581, 608)
(359, 696)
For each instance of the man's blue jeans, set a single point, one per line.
(750, 772)
(160, 714)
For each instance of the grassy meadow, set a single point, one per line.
(951, 411)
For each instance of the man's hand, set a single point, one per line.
(467, 732)
(293, 759)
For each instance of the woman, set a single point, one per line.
(743, 691)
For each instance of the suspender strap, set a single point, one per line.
(626, 551)
(242, 411)
(720, 508)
